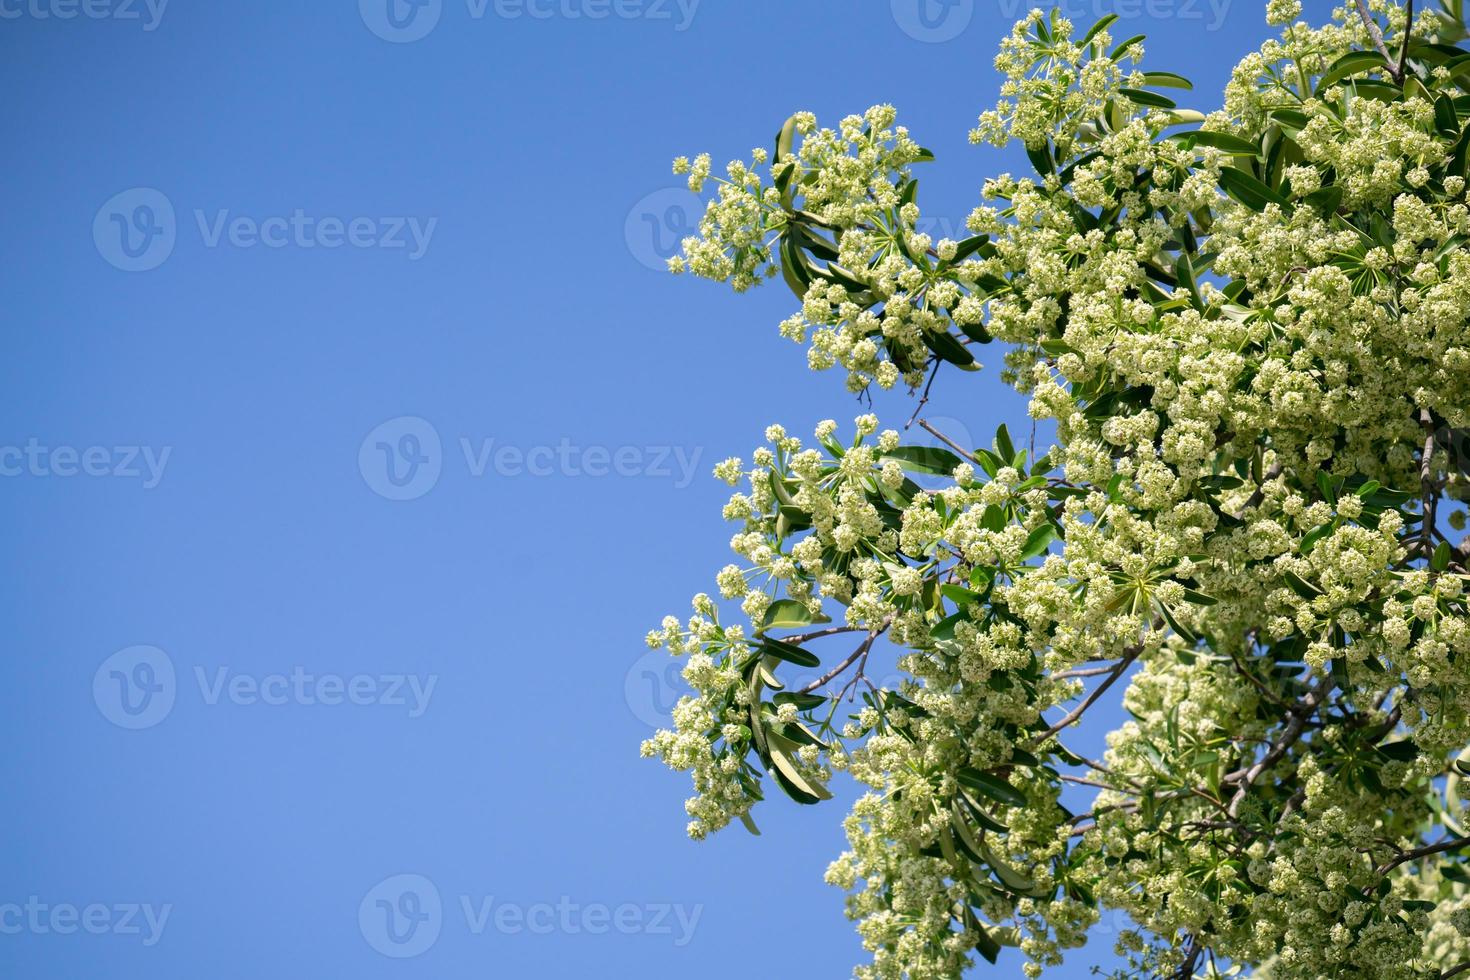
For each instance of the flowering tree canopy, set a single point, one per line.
(1251, 331)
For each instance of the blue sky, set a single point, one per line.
(350, 441)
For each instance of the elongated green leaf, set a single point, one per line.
(1220, 141)
(1037, 541)
(924, 459)
(790, 652)
(1248, 190)
(788, 613)
(1166, 79)
(990, 785)
(1145, 98)
(1352, 63)
(951, 350)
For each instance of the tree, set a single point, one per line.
(1251, 330)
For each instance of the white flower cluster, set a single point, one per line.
(1254, 341)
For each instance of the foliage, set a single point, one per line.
(1252, 331)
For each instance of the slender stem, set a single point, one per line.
(1283, 744)
(1377, 36)
(859, 654)
(1408, 33)
(924, 424)
(1454, 843)
(1091, 699)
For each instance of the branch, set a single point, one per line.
(924, 399)
(1377, 36)
(1283, 743)
(1408, 32)
(1452, 844)
(966, 453)
(1091, 699)
(849, 660)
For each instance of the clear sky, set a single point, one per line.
(350, 441)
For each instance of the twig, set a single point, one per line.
(1377, 36)
(818, 634)
(1113, 675)
(1452, 844)
(1408, 33)
(861, 653)
(1283, 744)
(924, 399)
(924, 424)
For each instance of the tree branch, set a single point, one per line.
(1377, 36)
(1091, 699)
(1283, 743)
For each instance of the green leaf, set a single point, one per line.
(1199, 598)
(790, 652)
(924, 459)
(1440, 560)
(1097, 28)
(803, 702)
(990, 785)
(787, 614)
(1144, 98)
(1352, 63)
(944, 344)
(969, 247)
(1121, 48)
(1300, 587)
(1326, 199)
(1220, 141)
(1166, 79)
(750, 824)
(1404, 751)
(784, 139)
(1003, 444)
(1037, 541)
(1248, 190)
